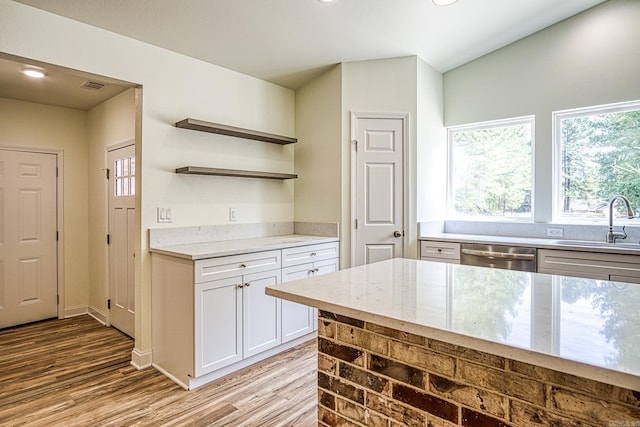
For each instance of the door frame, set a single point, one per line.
(354, 179)
(107, 149)
(59, 153)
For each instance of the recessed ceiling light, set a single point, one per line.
(33, 72)
(444, 2)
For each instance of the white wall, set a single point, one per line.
(590, 59)
(109, 123)
(30, 125)
(318, 154)
(174, 87)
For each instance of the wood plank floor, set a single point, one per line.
(76, 372)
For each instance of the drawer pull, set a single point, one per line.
(239, 286)
(312, 254)
(439, 250)
(243, 265)
(247, 284)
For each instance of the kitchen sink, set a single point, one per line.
(595, 244)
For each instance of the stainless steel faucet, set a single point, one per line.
(613, 235)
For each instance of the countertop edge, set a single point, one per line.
(608, 376)
(250, 246)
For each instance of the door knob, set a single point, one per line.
(397, 233)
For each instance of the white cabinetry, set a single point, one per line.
(593, 265)
(212, 316)
(440, 251)
(302, 263)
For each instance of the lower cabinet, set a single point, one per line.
(212, 317)
(592, 265)
(298, 319)
(234, 319)
(440, 251)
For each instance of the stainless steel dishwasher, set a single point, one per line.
(498, 256)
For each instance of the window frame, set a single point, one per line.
(450, 213)
(556, 163)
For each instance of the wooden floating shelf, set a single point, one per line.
(196, 170)
(202, 126)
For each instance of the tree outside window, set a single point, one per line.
(490, 169)
(599, 155)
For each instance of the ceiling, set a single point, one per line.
(289, 42)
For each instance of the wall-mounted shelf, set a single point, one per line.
(202, 126)
(196, 170)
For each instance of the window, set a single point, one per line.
(597, 157)
(490, 169)
(125, 174)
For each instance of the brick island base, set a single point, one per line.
(371, 375)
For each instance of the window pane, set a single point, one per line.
(118, 167)
(491, 170)
(132, 159)
(132, 189)
(125, 166)
(599, 153)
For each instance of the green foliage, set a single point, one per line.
(600, 159)
(492, 174)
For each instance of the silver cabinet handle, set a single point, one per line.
(490, 254)
(243, 265)
(239, 286)
(247, 284)
(312, 254)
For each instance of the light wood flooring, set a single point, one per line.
(76, 372)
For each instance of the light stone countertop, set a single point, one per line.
(583, 327)
(622, 247)
(196, 251)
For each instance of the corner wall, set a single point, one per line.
(110, 123)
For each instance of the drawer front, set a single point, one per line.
(222, 267)
(310, 253)
(588, 264)
(440, 250)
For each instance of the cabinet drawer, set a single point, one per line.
(588, 264)
(310, 253)
(221, 267)
(440, 250)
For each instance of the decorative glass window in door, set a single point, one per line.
(125, 180)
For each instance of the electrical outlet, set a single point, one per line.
(233, 214)
(555, 232)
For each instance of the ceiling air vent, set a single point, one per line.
(89, 85)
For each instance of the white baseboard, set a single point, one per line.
(98, 315)
(74, 311)
(141, 359)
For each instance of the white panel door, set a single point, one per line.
(297, 319)
(378, 189)
(28, 252)
(122, 238)
(261, 313)
(218, 324)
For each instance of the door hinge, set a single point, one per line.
(355, 144)
(56, 171)
(57, 299)
(108, 304)
(355, 224)
(57, 236)
(107, 173)
(108, 239)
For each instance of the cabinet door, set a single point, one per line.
(218, 324)
(261, 313)
(297, 319)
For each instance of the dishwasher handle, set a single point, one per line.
(502, 255)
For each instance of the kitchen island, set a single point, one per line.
(407, 342)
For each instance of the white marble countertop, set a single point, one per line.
(621, 247)
(583, 327)
(196, 251)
